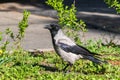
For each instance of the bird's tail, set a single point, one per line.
(96, 60)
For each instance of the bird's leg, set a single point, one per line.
(65, 67)
(69, 64)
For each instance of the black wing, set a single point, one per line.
(75, 49)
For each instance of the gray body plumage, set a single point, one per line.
(61, 44)
(67, 49)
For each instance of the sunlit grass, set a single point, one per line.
(22, 65)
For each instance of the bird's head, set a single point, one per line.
(53, 27)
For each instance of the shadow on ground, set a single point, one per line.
(49, 68)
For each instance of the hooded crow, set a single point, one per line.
(67, 49)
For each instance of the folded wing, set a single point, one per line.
(66, 46)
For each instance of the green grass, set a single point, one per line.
(21, 65)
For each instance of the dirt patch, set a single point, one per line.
(114, 62)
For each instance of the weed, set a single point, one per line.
(114, 4)
(23, 24)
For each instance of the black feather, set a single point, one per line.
(75, 49)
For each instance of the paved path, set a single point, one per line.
(37, 37)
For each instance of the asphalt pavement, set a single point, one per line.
(105, 26)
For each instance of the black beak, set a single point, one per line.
(47, 27)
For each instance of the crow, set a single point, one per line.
(67, 49)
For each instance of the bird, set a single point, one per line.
(67, 49)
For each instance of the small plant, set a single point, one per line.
(114, 4)
(3, 41)
(23, 24)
